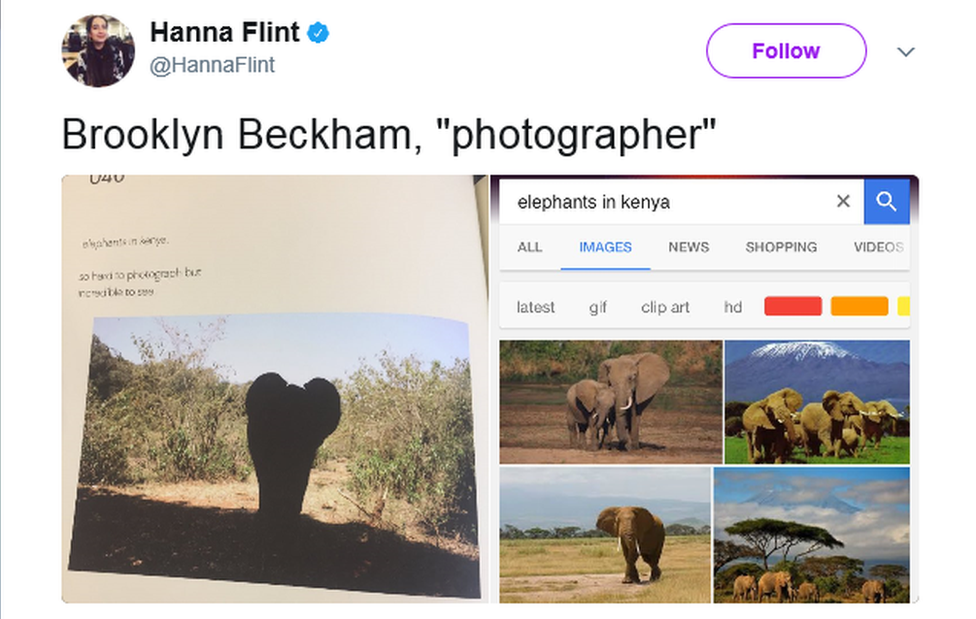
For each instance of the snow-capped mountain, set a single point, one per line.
(801, 350)
(813, 368)
(778, 498)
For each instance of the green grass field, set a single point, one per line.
(893, 450)
(590, 570)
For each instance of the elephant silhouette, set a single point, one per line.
(286, 424)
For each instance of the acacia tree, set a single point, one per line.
(828, 567)
(768, 536)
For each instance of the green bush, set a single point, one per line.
(104, 454)
(409, 434)
(827, 584)
(170, 417)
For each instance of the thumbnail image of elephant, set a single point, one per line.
(334, 483)
(622, 402)
(560, 541)
(849, 404)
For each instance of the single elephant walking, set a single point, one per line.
(808, 592)
(780, 583)
(873, 592)
(639, 533)
(744, 588)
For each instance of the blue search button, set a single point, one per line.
(887, 201)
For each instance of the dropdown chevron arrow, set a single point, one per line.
(904, 53)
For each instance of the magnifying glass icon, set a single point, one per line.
(884, 200)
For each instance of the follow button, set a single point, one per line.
(786, 51)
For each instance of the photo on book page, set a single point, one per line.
(274, 380)
(316, 450)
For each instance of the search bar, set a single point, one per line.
(692, 201)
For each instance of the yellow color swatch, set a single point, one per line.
(903, 306)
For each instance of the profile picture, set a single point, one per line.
(98, 50)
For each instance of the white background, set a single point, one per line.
(607, 62)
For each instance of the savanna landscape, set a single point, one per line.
(812, 535)
(167, 486)
(682, 424)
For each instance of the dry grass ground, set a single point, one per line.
(203, 530)
(683, 426)
(590, 570)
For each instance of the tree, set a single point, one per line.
(768, 536)
(826, 567)
(887, 571)
(680, 529)
(727, 551)
(408, 430)
(511, 532)
(566, 532)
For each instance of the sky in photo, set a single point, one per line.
(677, 483)
(867, 508)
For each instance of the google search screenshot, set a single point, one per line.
(437, 303)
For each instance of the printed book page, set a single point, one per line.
(268, 381)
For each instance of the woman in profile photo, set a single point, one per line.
(104, 59)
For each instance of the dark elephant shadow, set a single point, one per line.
(615, 446)
(125, 534)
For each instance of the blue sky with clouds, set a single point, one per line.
(879, 530)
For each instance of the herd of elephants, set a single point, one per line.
(780, 585)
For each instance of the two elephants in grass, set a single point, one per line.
(624, 388)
